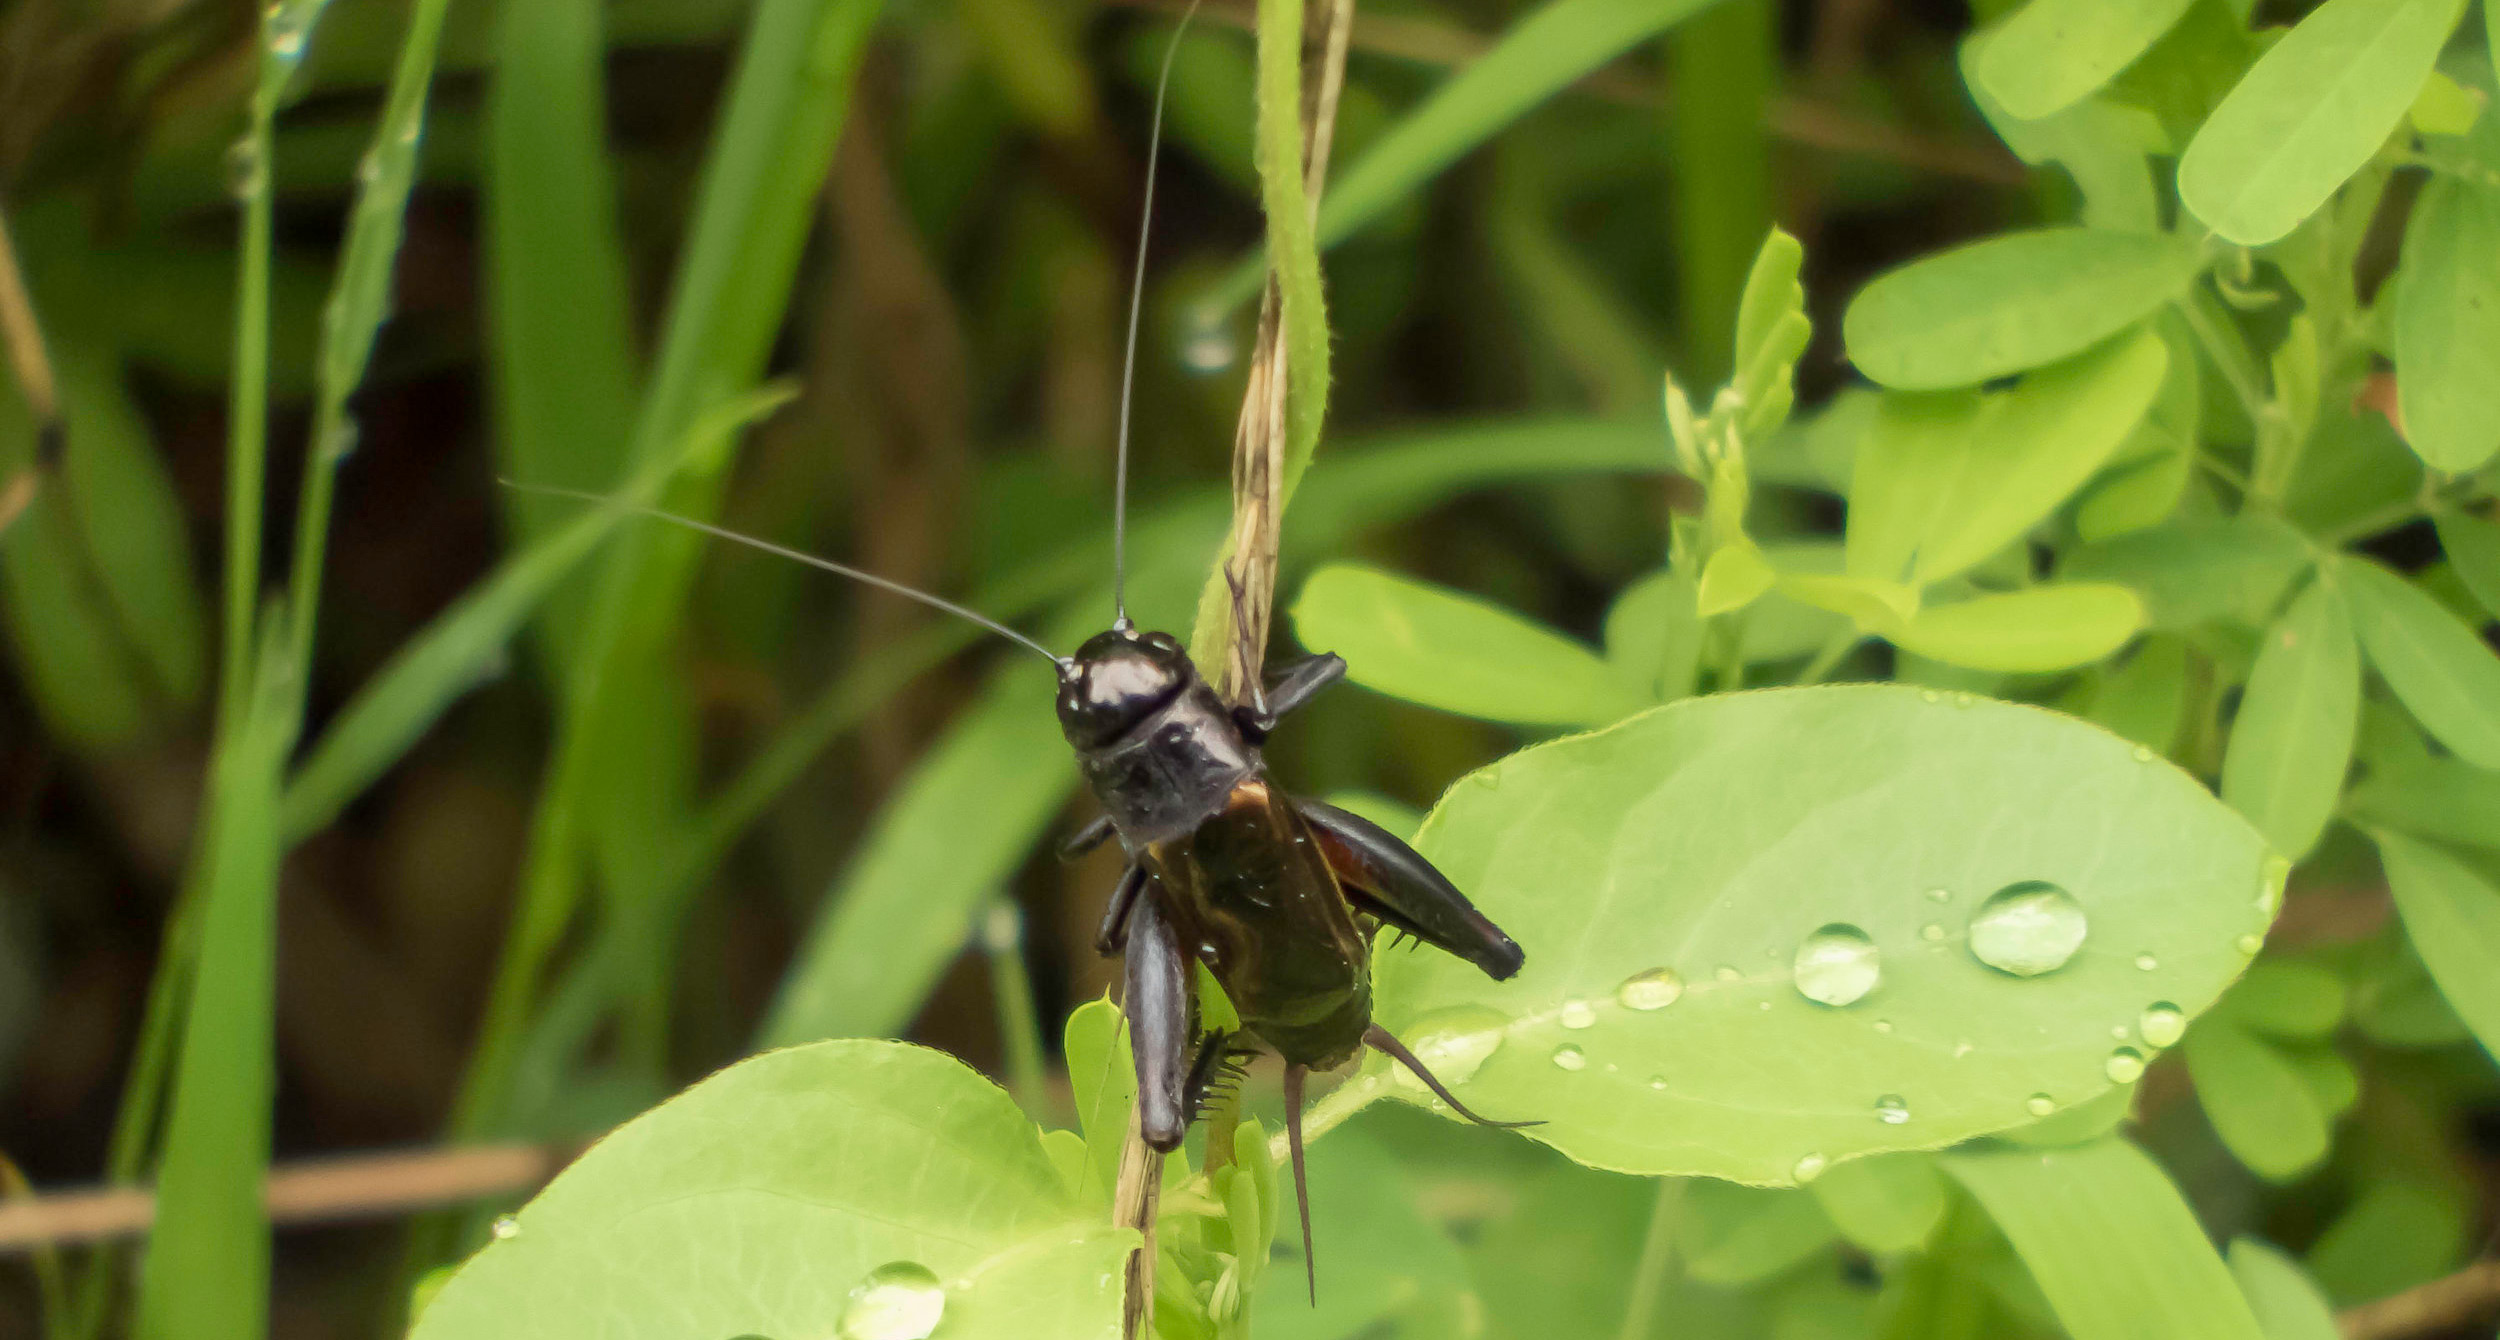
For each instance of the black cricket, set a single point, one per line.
(1279, 898)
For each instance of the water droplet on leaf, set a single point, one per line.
(900, 1300)
(1658, 1082)
(1569, 1057)
(1655, 989)
(1930, 695)
(2039, 1105)
(1931, 933)
(1727, 973)
(2270, 884)
(1809, 1167)
(1576, 1013)
(2146, 963)
(2162, 1024)
(2143, 753)
(2250, 944)
(1883, 1025)
(505, 1228)
(1940, 895)
(1890, 1110)
(2125, 1066)
(1837, 965)
(2027, 929)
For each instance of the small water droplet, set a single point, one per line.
(1931, 933)
(1883, 1025)
(369, 168)
(1569, 1057)
(2039, 1105)
(1658, 1082)
(1727, 972)
(1808, 1167)
(2250, 944)
(2143, 753)
(1960, 1050)
(2162, 1024)
(2270, 882)
(2125, 1066)
(2027, 929)
(1940, 895)
(1207, 343)
(1965, 699)
(244, 174)
(1655, 989)
(505, 1228)
(2146, 963)
(900, 1300)
(1890, 1110)
(1490, 779)
(1576, 1013)
(1837, 965)
(1453, 1044)
(1930, 696)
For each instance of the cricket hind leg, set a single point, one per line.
(1387, 879)
(1159, 1025)
(1379, 1039)
(1295, 685)
(1113, 934)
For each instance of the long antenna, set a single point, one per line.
(839, 569)
(1136, 306)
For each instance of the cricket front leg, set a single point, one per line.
(1387, 879)
(1159, 1025)
(1298, 683)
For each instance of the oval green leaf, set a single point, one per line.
(2011, 303)
(2292, 741)
(2439, 668)
(2053, 53)
(2311, 111)
(2111, 1242)
(2057, 626)
(2473, 548)
(2452, 915)
(1431, 645)
(1689, 838)
(755, 1201)
(2286, 1301)
(2447, 326)
(2257, 1101)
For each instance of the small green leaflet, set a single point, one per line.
(2292, 741)
(2447, 326)
(2310, 113)
(2011, 303)
(2286, 1301)
(2439, 668)
(2452, 915)
(2055, 626)
(2053, 53)
(2256, 1099)
(2473, 548)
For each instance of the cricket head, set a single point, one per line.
(1117, 679)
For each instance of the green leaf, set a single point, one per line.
(1654, 636)
(2195, 570)
(1885, 1204)
(1771, 332)
(2111, 1242)
(2312, 110)
(1945, 481)
(2446, 799)
(2437, 666)
(2398, 1233)
(1380, 1258)
(1739, 1235)
(2473, 548)
(2444, 107)
(2053, 627)
(1687, 839)
(2099, 143)
(2286, 998)
(2452, 915)
(207, 1263)
(1735, 576)
(1292, 245)
(2258, 1103)
(1434, 646)
(2447, 326)
(2142, 699)
(2291, 743)
(2151, 472)
(2053, 53)
(756, 1201)
(2287, 1302)
(2011, 303)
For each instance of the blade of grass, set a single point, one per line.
(1725, 64)
(207, 1269)
(1544, 53)
(558, 289)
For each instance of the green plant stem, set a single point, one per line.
(1724, 63)
(1019, 1025)
(247, 423)
(1731, 653)
(1650, 1277)
(1835, 649)
(2231, 357)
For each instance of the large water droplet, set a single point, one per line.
(900, 1300)
(1655, 989)
(2039, 1105)
(2125, 1066)
(1576, 1013)
(505, 1228)
(1837, 965)
(2162, 1024)
(1890, 1110)
(1569, 1057)
(2027, 929)
(1808, 1167)
(1453, 1044)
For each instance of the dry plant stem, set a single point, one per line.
(2446, 1303)
(361, 1186)
(23, 336)
(1133, 1203)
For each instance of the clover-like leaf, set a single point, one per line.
(1768, 932)
(784, 1190)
